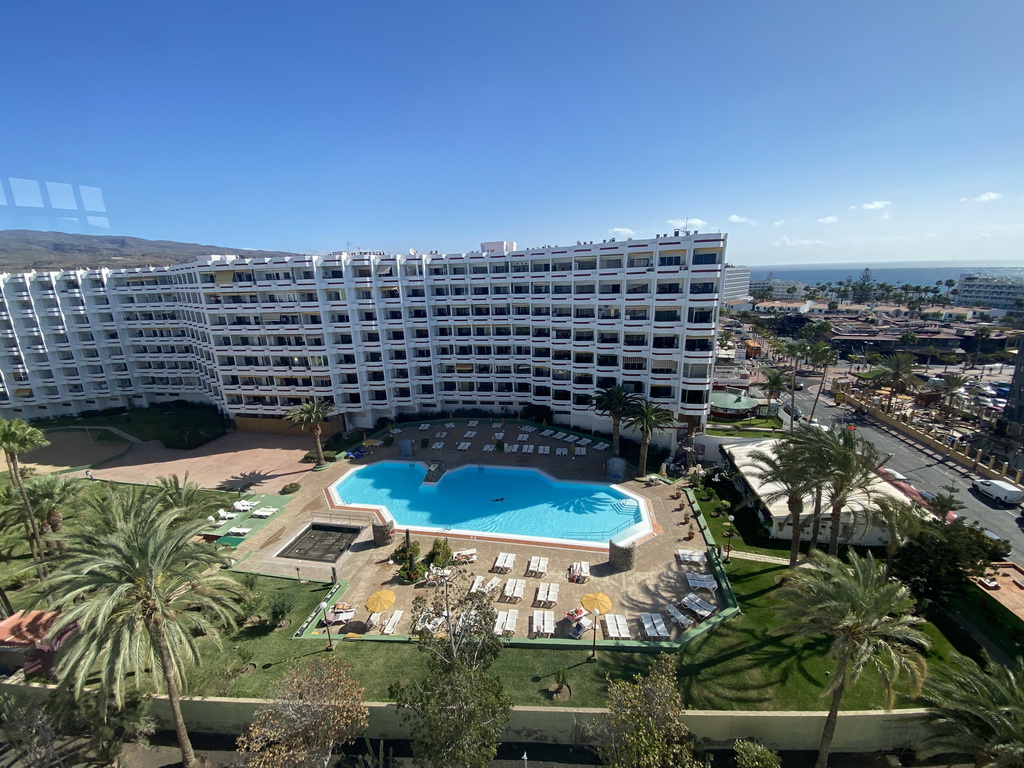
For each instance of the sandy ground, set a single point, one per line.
(71, 449)
(258, 462)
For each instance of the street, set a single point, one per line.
(923, 471)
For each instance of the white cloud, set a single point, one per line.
(737, 219)
(985, 197)
(621, 232)
(690, 223)
(877, 205)
(785, 241)
(780, 222)
(829, 220)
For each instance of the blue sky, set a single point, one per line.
(810, 131)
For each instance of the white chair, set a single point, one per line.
(392, 623)
(478, 582)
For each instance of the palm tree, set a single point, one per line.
(821, 354)
(648, 418)
(977, 711)
(180, 493)
(140, 585)
(774, 381)
(952, 383)
(900, 519)
(312, 413)
(784, 477)
(18, 437)
(615, 402)
(898, 370)
(844, 465)
(48, 493)
(796, 350)
(865, 618)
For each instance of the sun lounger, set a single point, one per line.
(424, 427)
(676, 616)
(579, 572)
(654, 626)
(491, 585)
(580, 627)
(616, 627)
(499, 622)
(464, 556)
(245, 506)
(470, 434)
(332, 617)
(438, 446)
(392, 623)
(495, 425)
(504, 562)
(449, 425)
(499, 435)
(429, 621)
(691, 556)
(472, 423)
(561, 451)
(523, 437)
(478, 582)
(223, 514)
(512, 448)
(559, 436)
(514, 589)
(602, 446)
(584, 442)
(441, 435)
(489, 448)
(538, 566)
(263, 512)
(528, 429)
(572, 439)
(528, 448)
(238, 531)
(542, 624)
(581, 451)
(698, 606)
(374, 619)
(464, 446)
(544, 450)
(547, 433)
(702, 581)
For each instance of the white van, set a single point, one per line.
(1000, 490)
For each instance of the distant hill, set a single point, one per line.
(22, 250)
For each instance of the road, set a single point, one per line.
(923, 470)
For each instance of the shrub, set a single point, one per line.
(291, 488)
(330, 456)
(440, 554)
(389, 441)
(401, 553)
(310, 457)
(411, 573)
(750, 754)
(276, 609)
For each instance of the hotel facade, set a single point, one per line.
(378, 334)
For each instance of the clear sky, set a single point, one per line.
(810, 131)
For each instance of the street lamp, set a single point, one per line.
(330, 642)
(728, 537)
(593, 653)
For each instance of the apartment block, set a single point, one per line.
(735, 282)
(992, 292)
(376, 333)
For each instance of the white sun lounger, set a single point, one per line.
(495, 425)
(223, 514)
(478, 582)
(542, 624)
(464, 446)
(438, 446)
(238, 531)
(491, 585)
(561, 451)
(499, 623)
(702, 581)
(547, 433)
(510, 621)
(581, 451)
(392, 623)
(698, 606)
(602, 446)
(264, 512)
(499, 435)
(676, 615)
(584, 442)
(489, 448)
(579, 572)
(245, 506)
(528, 448)
(559, 436)
(572, 438)
(616, 627)
(523, 437)
(441, 435)
(514, 589)
(449, 425)
(538, 566)
(544, 450)
(424, 427)
(691, 556)
(374, 619)
(470, 434)
(472, 423)
(512, 448)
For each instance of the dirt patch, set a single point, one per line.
(71, 449)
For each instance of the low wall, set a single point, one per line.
(282, 427)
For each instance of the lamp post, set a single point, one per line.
(728, 537)
(330, 642)
(593, 653)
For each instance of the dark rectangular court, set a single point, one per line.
(321, 543)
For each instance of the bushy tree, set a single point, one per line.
(644, 726)
(750, 754)
(316, 709)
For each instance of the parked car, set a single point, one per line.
(999, 490)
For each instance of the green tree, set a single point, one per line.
(316, 709)
(774, 382)
(898, 372)
(900, 520)
(724, 337)
(865, 620)
(48, 494)
(139, 583)
(784, 473)
(796, 350)
(312, 414)
(821, 353)
(976, 711)
(952, 383)
(18, 437)
(909, 339)
(458, 711)
(615, 402)
(181, 493)
(648, 418)
(644, 726)
(750, 754)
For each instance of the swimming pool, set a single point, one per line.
(476, 499)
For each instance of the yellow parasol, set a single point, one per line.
(596, 601)
(380, 601)
(369, 442)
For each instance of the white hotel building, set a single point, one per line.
(376, 333)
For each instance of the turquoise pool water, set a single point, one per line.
(520, 502)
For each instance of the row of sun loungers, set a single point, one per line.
(616, 627)
(654, 626)
(542, 624)
(684, 622)
(464, 446)
(547, 594)
(702, 581)
(504, 562)
(470, 434)
(700, 607)
(505, 623)
(514, 589)
(538, 566)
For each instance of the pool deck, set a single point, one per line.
(656, 579)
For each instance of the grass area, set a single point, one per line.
(769, 422)
(741, 433)
(725, 500)
(998, 623)
(869, 374)
(184, 427)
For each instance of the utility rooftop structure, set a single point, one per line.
(375, 333)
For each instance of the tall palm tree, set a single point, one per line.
(796, 350)
(865, 618)
(312, 414)
(900, 519)
(785, 478)
(845, 466)
(821, 353)
(648, 418)
(18, 437)
(180, 493)
(48, 493)
(977, 711)
(952, 383)
(774, 381)
(141, 586)
(898, 370)
(615, 402)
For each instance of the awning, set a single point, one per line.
(224, 278)
(23, 392)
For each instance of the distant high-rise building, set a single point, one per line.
(994, 292)
(735, 282)
(780, 288)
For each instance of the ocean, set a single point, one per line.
(915, 273)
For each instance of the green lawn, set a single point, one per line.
(869, 374)
(997, 622)
(770, 422)
(176, 427)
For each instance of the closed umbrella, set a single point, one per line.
(380, 601)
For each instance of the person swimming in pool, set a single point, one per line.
(501, 499)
